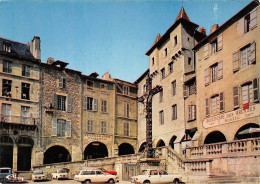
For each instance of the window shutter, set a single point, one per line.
(190, 112)
(69, 104)
(253, 53)
(85, 102)
(55, 101)
(207, 106)
(220, 42)
(95, 104)
(220, 70)
(235, 61)
(256, 91)
(253, 23)
(206, 51)
(185, 91)
(221, 102)
(54, 127)
(241, 26)
(68, 128)
(207, 76)
(236, 96)
(60, 79)
(194, 111)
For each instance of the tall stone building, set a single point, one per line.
(20, 103)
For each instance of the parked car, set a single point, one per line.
(5, 171)
(155, 176)
(61, 174)
(94, 175)
(109, 172)
(38, 175)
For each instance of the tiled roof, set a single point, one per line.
(182, 15)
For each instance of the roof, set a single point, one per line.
(141, 77)
(228, 23)
(181, 18)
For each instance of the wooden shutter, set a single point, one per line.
(68, 128)
(220, 42)
(256, 91)
(194, 111)
(69, 104)
(207, 106)
(221, 102)
(95, 104)
(220, 70)
(236, 96)
(85, 103)
(55, 101)
(235, 61)
(54, 127)
(253, 52)
(60, 79)
(253, 23)
(241, 27)
(185, 91)
(206, 51)
(207, 76)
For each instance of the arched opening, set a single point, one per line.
(95, 150)
(56, 154)
(25, 145)
(248, 131)
(142, 147)
(125, 149)
(160, 143)
(6, 151)
(172, 141)
(215, 137)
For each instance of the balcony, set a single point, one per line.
(18, 121)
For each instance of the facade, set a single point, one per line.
(20, 103)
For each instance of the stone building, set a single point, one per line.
(20, 103)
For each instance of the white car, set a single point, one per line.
(38, 175)
(155, 176)
(94, 175)
(61, 174)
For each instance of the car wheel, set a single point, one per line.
(176, 181)
(111, 181)
(147, 182)
(87, 182)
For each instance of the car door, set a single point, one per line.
(100, 177)
(164, 177)
(154, 176)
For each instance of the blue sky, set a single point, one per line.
(104, 35)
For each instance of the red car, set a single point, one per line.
(109, 172)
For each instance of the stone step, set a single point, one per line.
(223, 179)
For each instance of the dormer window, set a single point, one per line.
(7, 47)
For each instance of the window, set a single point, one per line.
(103, 106)
(189, 88)
(214, 73)
(7, 47)
(161, 96)
(90, 84)
(6, 88)
(163, 73)
(206, 51)
(174, 88)
(245, 56)
(103, 127)
(25, 115)
(161, 117)
(175, 40)
(126, 128)
(91, 104)
(126, 109)
(153, 60)
(170, 66)
(174, 112)
(62, 82)
(61, 128)
(90, 124)
(6, 113)
(213, 46)
(215, 104)
(250, 21)
(247, 93)
(103, 88)
(189, 61)
(7, 66)
(25, 91)
(26, 71)
(207, 107)
(165, 52)
(192, 112)
(126, 90)
(61, 103)
(144, 88)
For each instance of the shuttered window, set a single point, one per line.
(69, 104)
(207, 107)
(253, 22)
(221, 102)
(174, 112)
(215, 104)
(185, 91)
(54, 127)
(220, 70)
(126, 129)
(126, 109)
(247, 93)
(235, 61)
(220, 42)
(192, 112)
(68, 128)
(173, 88)
(245, 55)
(92, 104)
(103, 106)
(253, 52)
(161, 117)
(103, 127)
(206, 76)
(236, 96)
(255, 88)
(206, 51)
(90, 124)
(62, 82)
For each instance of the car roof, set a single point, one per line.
(5, 168)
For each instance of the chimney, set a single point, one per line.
(202, 30)
(35, 47)
(50, 60)
(213, 28)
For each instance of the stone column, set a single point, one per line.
(76, 154)
(15, 156)
(33, 159)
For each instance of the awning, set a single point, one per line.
(249, 131)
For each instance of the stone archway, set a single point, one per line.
(95, 150)
(248, 131)
(160, 143)
(125, 149)
(25, 145)
(6, 151)
(215, 137)
(171, 143)
(142, 147)
(56, 154)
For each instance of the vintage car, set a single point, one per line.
(109, 172)
(61, 174)
(155, 176)
(94, 175)
(5, 171)
(38, 175)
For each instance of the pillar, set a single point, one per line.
(15, 156)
